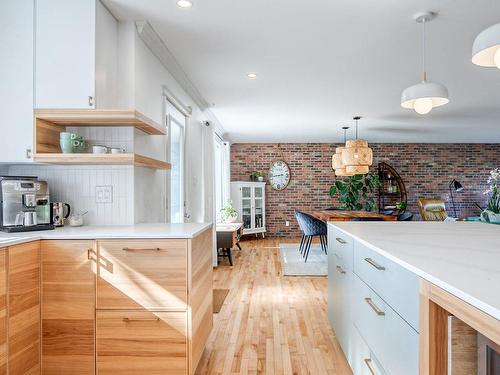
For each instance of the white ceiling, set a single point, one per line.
(319, 62)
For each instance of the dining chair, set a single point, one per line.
(407, 216)
(311, 227)
(432, 209)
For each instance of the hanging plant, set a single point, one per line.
(356, 190)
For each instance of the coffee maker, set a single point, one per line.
(25, 204)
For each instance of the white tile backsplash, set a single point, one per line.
(76, 185)
(121, 137)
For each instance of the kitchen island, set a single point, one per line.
(392, 287)
(106, 299)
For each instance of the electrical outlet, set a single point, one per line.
(104, 194)
(287, 223)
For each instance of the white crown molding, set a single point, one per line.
(154, 42)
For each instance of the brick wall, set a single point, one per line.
(426, 170)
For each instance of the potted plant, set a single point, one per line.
(401, 206)
(492, 212)
(354, 190)
(256, 176)
(228, 213)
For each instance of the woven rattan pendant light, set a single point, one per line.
(357, 156)
(337, 164)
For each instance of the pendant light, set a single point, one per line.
(337, 164)
(425, 95)
(486, 47)
(357, 156)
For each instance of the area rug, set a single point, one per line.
(219, 296)
(292, 263)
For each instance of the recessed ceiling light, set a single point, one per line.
(184, 3)
(252, 75)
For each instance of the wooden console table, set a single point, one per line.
(228, 236)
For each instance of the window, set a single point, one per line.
(176, 121)
(221, 172)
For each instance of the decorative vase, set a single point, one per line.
(260, 178)
(230, 219)
(490, 217)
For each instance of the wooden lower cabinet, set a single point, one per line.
(3, 311)
(24, 309)
(68, 307)
(142, 274)
(141, 342)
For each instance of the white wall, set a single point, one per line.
(150, 79)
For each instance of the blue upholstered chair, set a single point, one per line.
(310, 227)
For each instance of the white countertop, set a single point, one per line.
(186, 230)
(462, 258)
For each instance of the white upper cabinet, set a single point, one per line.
(76, 54)
(16, 80)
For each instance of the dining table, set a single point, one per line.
(346, 215)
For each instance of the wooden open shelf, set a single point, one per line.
(49, 123)
(98, 117)
(101, 159)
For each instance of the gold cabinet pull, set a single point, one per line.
(375, 264)
(128, 320)
(340, 240)
(368, 363)
(375, 308)
(145, 249)
(341, 270)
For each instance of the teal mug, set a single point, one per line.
(79, 145)
(66, 145)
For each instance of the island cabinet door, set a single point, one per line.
(142, 274)
(131, 342)
(68, 307)
(3, 311)
(24, 308)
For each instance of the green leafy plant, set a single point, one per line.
(401, 205)
(494, 191)
(254, 176)
(354, 190)
(228, 212)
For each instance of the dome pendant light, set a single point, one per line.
(425, 95)
(357, 156)
(337, 164)
(486, 47)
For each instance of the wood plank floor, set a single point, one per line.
(270, 324)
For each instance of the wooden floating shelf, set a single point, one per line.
(101, 159)
(98, 117)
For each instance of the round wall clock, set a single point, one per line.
(279, 175)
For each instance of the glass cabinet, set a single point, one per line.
(249, 200)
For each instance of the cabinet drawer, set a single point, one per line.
(363, 361)
(141, 342)
(136, 274)
(341, 246)
(339, 289)
(393, 341)
(396, 285)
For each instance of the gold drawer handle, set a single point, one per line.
(128, 320)
(375, 264)
(340, 240)
(131, 249)
(375, 308)
(341, 270)
(368, 363)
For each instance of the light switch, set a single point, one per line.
(104, 194)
